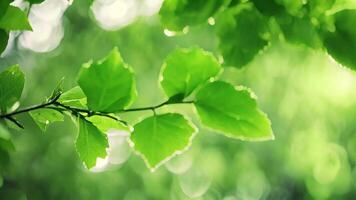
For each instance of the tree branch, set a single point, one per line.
(54, 104)
(36, 107)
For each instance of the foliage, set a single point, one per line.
(192, 80)
(245, 28)
(108, 87)
(339, 42)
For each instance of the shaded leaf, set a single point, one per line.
(293, 7)
(11, 85)
(176, 14)
(268, 7)
(4, 4)
(241, 31)
(299, 31)
(4, 38)
(6, 144)
(341, 43)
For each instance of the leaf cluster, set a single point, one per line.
(245, 28)
(106, 89)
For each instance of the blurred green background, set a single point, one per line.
(310, 99)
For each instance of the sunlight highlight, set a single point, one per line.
(116, 14)
(46, 22)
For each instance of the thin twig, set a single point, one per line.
(154, 107)
(15, 121)
(55, 105)
(31, 108)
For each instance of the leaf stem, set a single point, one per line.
(154, 107)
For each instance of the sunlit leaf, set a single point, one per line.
(232, 112)
(341, 43)
(11, 85)
(91, 143)
(44, 117)
(160, 137)
(74, 97)
(176, 14)
(14, 19)
(105, 124)
(241, 31)
(186, 69)
(108, 84)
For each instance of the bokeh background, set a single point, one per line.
(310, 99)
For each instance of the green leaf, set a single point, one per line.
(91, 143)
(108, 84)
(186, 69)
(74, 97)
(4, 159)
(268, 7)
(11, 85)
(341, 43)
(105, 124)
(6, 146)
(4, 4)
(4, 133)
(319, 7)
(293, 7)
(35, 1)
(176, 14)
(5, 140)
(58, 90)
(160, 137)
(14, 19)
(4, 38)
(232, 111)
(298, 30)
(176, 98)
(241, 31)
(43, 117)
